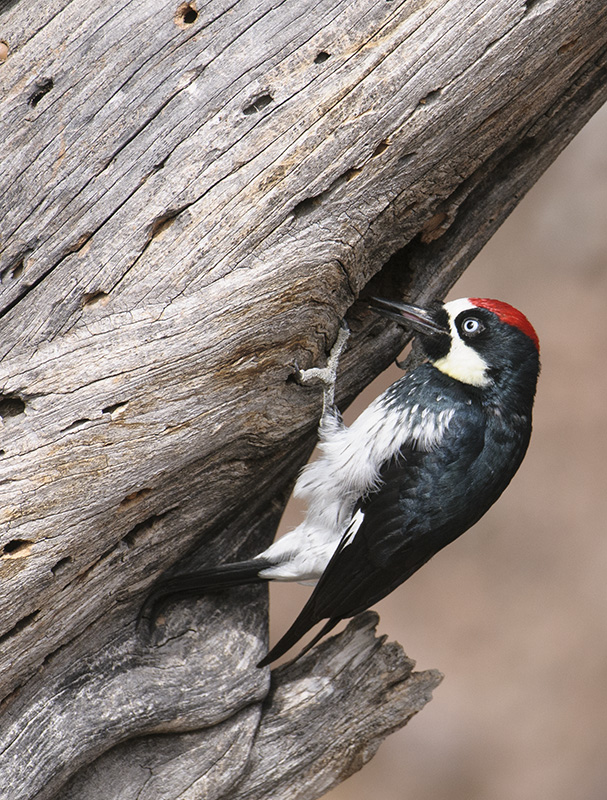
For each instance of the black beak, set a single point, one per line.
(421, 320)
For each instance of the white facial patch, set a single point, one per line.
(462, 362)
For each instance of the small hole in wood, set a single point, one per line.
(95, 298)
(18, 270)
(186, 15)
(23, 623)
(2, 452)
(61, 565)
(73, 426)
(142, 528)
(293, 377)
(348, 175)
(322, 56)
(16, 548)
(307, 206)
(260, 102)
(43, 86)
(162, 223)
(567, 46)
(78, 423)
(4, 50)
(430, 98)
(135, 497)
(80, 245)
(14, 271)
(115, 408)
(381, 148)
(11, 406)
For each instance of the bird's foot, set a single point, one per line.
(326, 376)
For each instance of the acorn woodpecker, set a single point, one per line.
(419, 466)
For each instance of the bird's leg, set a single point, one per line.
(327, 376)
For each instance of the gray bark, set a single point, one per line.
(193, 197)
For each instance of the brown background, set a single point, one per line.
(515, 612)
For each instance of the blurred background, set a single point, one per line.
(514, 613)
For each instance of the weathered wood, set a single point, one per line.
(204, 764)
(361, 688)
(348, 697)
(193, 197)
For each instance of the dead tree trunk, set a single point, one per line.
(193, 196)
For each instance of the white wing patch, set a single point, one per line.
(357, 521)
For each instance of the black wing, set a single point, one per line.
(425, 500)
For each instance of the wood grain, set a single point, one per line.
(193, 196)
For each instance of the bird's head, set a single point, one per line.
(479, 342)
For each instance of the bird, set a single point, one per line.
(419, 466)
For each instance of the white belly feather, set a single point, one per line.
(347, 468)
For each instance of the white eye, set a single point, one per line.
(471, 326)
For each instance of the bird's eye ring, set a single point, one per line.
(472, 326)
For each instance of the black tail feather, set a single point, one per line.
(225, 576)
(293, 635)
(195, 584)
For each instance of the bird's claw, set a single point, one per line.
(340, 344)
(326, 376)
